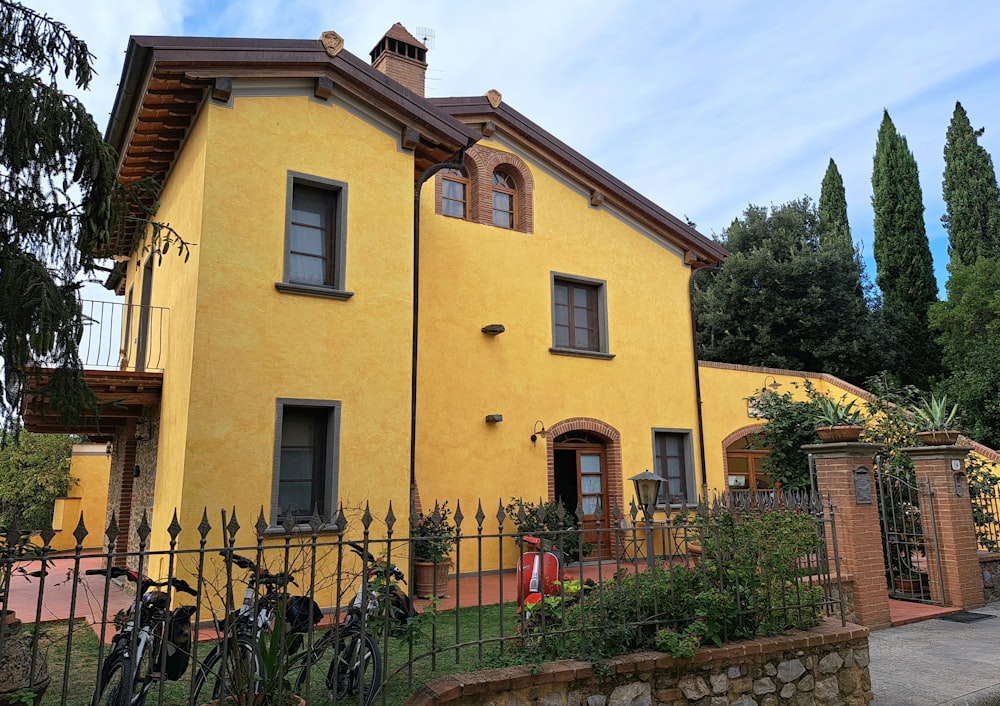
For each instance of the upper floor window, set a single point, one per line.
(503, 199)
(578, 315)
(315, 234)
(305, 474)
(454, 190)
(492, 188)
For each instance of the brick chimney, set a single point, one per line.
(401, 57)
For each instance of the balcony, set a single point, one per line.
(122, 349)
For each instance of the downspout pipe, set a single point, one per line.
(697, 377)
(457, 162)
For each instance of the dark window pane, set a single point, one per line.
(302, 474)
(311, 236)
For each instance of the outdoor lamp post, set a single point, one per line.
(647, 490)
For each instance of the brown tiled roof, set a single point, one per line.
(399, 33)
(477, 110)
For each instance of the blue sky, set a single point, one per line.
(704, 107)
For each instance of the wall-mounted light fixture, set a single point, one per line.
(753, 402)
(774, 384)
(110, 449)
(143, 434)
(493, 329)
(494, 418)
(537, 431)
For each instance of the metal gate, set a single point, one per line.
(909, 536)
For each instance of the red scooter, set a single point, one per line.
(539, 573)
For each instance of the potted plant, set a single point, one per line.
(838, 420)
(934, 421)
(17, 678)
(432, 537)
(272, 686)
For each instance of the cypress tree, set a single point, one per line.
(903, 257)
(972, 218)
(834, 226)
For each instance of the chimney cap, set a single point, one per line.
(400, 34)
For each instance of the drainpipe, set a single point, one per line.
(456, 163)
(697, 378)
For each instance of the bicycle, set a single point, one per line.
(355, 671)
(148, 647)
(236, 664)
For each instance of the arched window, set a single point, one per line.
(504, 195)
(454, 193)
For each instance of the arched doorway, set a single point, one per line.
(581, 482)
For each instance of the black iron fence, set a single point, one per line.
(320, 606)
(986, 514)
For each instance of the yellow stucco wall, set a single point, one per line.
(236, 344)
(473, 275)
(90, 464)
(725, 389)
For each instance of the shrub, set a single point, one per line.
(748, 582)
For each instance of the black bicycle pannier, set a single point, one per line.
(178, 644)
(302, 613)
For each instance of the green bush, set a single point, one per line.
(748, 582)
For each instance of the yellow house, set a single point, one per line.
(388, 298)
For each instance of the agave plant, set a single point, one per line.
(933, 414)
(837, 413)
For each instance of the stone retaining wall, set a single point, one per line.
(827, 666)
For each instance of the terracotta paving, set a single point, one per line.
(488, 589)
(903, 612)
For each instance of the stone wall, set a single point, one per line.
(826, 666)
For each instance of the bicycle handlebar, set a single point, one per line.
(260, 575)
(143, 581)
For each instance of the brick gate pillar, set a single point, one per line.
(844, 473)
(942, 470)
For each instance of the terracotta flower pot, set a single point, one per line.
(841, 433)
(430, 580)
(938, 438)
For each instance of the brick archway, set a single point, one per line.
(612, 456)
(740, 433)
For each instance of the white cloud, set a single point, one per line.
(703, 107)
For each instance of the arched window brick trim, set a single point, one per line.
(487, 161)
(612, 456)
(728, 441)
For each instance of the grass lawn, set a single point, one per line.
(452, 654)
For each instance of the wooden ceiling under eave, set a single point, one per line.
(164, 118)
(123, 395)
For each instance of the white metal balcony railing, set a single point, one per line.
(127, 337)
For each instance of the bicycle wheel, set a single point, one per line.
(119, 684)
(355, 673)
(234, 668)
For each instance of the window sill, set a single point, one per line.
(299, 529)
(311, 290)
(576, 353)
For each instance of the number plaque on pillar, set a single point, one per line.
(862, 486)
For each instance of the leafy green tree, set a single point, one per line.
(968, 327)
(970, 193)
(33, 473)
(784, 299)
(903, 258)
(60, 207)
